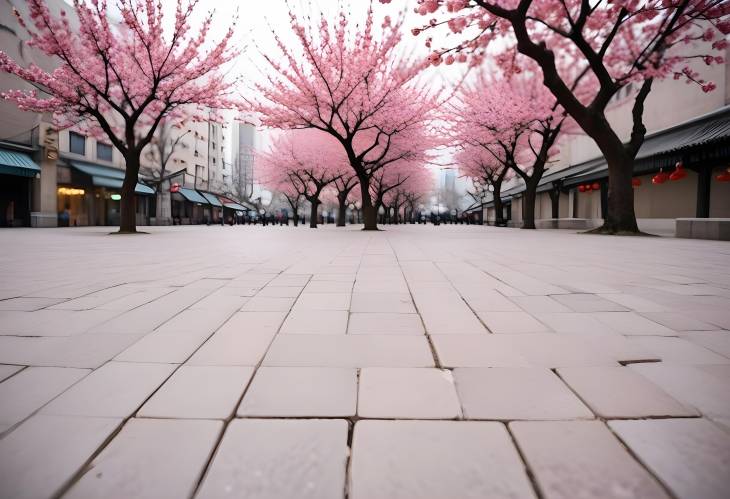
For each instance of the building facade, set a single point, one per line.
(52, 177)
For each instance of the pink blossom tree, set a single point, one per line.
(486, 173)
(401, 188)
(344, 186)
(308, 161)
(517, 121)
(587, 52)
(121, 80)
(346, 81)
(275, 178)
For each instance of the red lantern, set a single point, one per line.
(175, 187)
(582, 188)
(723, 177)
(596, 186)
(635, 182)
(660, 177)
(679, 172)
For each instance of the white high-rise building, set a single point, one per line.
(243, 142)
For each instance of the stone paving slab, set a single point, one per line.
(42, 454)
(150, 459)
(680, 351)
(690, 456)
(301, 392)
(620, 393)
(82, 351)
(279, 459)
(316, 322)
(395, 393)
(31, 389)
(516, 393)
(691, 385)
(384, 323)
(326, 350)
(716, 341)
(434, 460)
(7, 370)
(115, 390)
(309, 348)
(199, 392)
(582, 459)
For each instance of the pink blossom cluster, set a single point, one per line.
(115, 76)
(633, 39)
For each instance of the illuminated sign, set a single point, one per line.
(116, 197)
(70, 191)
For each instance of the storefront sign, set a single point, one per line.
(70, 191)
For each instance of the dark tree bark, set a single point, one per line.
(313, 213)
(128, 203)
(341, 210)
(369, 212)
(528, 208)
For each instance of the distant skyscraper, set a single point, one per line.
(244, 138)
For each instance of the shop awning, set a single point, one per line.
(18, 164)
(660, 149)
(114, 183)
(104, 176)
(211, 199)
(235, 206)
(192, 195)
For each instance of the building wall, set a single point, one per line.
(719, 196)
(672, 199)
(588, 204)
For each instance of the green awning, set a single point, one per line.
(192, 195)
(211, 199)
(18, 164)
(105, 176)
(113, 183)
(98, 170)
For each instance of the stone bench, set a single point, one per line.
(704, 228)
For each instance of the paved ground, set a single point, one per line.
(419, 362)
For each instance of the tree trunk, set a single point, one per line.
(528, 206)
(342, 211)
(369, 212)
(620, 216)
(295, 211)
(498, 208)
(128, 203)
(313, 214)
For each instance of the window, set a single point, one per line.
(77, 143)
(213, 160)
(214, 146)
(103, 151)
